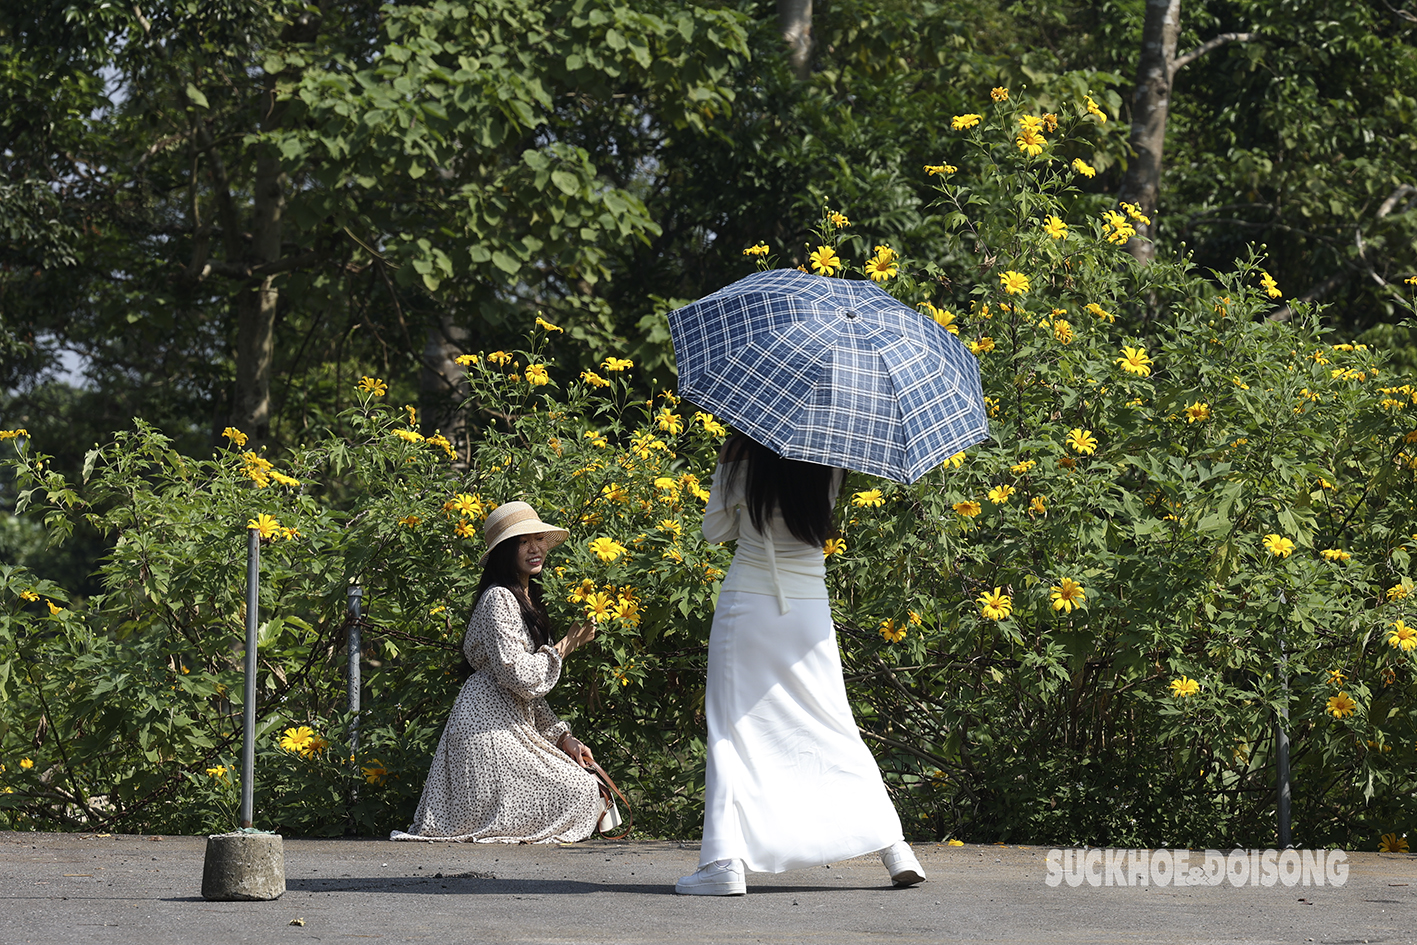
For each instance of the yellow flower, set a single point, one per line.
(600, 607)
(582, 591)
(1000, 494)
(411, 521)
(297, 740)
(983, 346)
(871, 498)
(1092, 109)
(1030, 122)
(283, 479)
(1097, 310)
(882, 266)
(1197, 412)
(1068, 594)
(968, 508)
(943, 318)
(1135, 213)
(499, 357)
(710, 425)
(839, 220)
(54, 609)
(995, 605)
(234, 435)
(617, 364)
(443, 443)
(956, 843)
(833, 546)
(547, 326)
(1135, 361)
(669, 421)
(627, 611)
(1014, 283)
(1081, 441)
(670, 525)
(956, 461)
(410, 436)
(606, 549)
(1019, 469)
(999, 94)
(372, 385)
(1341, 705)
(1184, 687)
(265, 524)
(16, 434)
(26, 763)
(1392, 843)
(1402, 637)
(218, 772)
(1038, 504)
(1063, 331)
(29, 596)
(466, 360)
(890, 632)
(961, 122)
(536, 375)
(1335, 554)
(594, 379)
(1397, 592)
(1084, 168)
(289, 534)
(258, 470)
(825, 260)
(1055, 227)
(1030, 142)
(374, 772)
(464, 529)
(1335, 677)
(945, 169)
(757, 249)
(1271, 288)
(1278, 545)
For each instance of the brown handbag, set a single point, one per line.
(607, 787)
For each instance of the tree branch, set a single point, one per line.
(1186, 59)
(246, 271)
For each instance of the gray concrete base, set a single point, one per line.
(248, 867)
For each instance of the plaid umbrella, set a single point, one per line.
(831, 371)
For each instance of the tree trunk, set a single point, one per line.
(256, 305)
(442, 387)
(795, 19)
(1151, 103)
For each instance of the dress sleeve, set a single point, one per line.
(720, 515)
(550, 727)
(526, 675)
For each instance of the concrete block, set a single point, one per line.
(244, 866)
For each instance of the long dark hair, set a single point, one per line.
(801, 491)
(501, 571)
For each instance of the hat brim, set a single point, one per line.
(554, 536)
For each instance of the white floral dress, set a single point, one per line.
(498, 776)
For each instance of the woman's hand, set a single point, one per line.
(578, 636)
(576, 749)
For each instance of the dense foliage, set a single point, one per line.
(1193, 524)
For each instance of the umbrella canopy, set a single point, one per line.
(831, 371)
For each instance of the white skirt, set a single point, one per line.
(790, 782)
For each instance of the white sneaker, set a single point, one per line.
(721, 878)
(901, 863)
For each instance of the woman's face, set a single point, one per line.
(531, 553)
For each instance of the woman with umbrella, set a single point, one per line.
(819, 374)
(790, 783)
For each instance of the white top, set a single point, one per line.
(774, 562)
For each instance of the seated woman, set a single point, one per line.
(507, 770)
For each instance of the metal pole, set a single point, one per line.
(248, 712)
(355, 597)
(1282, 743)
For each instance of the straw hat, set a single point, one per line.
(518, 518)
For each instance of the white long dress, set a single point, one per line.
(790, 782)
(498, 776)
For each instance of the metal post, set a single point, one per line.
(1281, 740)
(248, 712)
(355, 597)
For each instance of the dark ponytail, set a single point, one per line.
(800, 490)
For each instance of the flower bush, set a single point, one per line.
(1192, 525)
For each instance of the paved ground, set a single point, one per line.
(62, 888)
